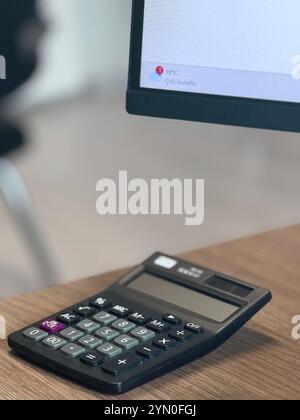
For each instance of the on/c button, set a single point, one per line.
(165, 262)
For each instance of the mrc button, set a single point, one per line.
(193, 327)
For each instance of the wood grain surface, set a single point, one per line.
(262, 361)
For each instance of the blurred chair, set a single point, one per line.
(20, 31)
(17, 200)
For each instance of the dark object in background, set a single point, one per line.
(10, 138)
(20, 30)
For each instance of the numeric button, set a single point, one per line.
(88, 326)
(143, 334)
(71, 334)
(109, 350)
(126, 342)
(90, 342)
(35, 334)
(123, 325)
(54, 342)
(104, 318)
(107, 334)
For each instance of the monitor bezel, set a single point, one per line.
(226, 110)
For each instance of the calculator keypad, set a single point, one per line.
(112, 338)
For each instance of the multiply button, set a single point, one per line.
(122, 364)
(180, 335)
(158, 326)
(194, 328)
(119, 310)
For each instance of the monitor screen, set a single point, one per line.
(245, 49)
(228, 62)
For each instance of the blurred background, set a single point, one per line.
(74, 112)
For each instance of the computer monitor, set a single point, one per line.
(217, 61)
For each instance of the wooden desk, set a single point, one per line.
(261, 362)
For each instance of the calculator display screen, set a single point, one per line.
(203, 305)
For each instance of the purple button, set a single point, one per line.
(52, 327)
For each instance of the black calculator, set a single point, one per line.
(162, 315)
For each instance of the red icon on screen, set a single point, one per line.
(160, 70)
